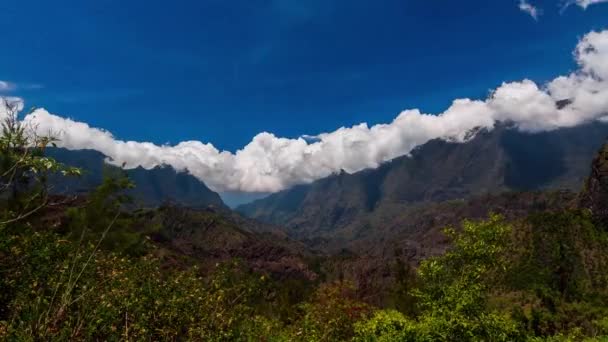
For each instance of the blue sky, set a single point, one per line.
(222, 71)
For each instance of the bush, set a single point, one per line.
(69, 292)
(386, 326)
(330, 315)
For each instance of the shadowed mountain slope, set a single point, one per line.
(595, 194)
(153, 187)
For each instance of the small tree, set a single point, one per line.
(24, 169)
(456, 286)
(454, 290)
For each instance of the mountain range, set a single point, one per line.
(340, 210)
(404, 202)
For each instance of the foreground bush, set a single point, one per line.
(62, 291)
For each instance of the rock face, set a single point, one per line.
(595, 195)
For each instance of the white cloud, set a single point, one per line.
(269, 163)
(528, 8)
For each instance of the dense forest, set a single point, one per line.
(98, 267)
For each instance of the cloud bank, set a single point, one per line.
(270, 163)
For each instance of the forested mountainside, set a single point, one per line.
(156, 186)
(210, 237)
(344, 206)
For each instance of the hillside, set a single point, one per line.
(344, 206)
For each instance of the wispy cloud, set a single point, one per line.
(33, 86)
(582, 3)
(6, 86)
(270, 163)
(530, 9)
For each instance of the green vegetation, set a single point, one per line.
(87, 270)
